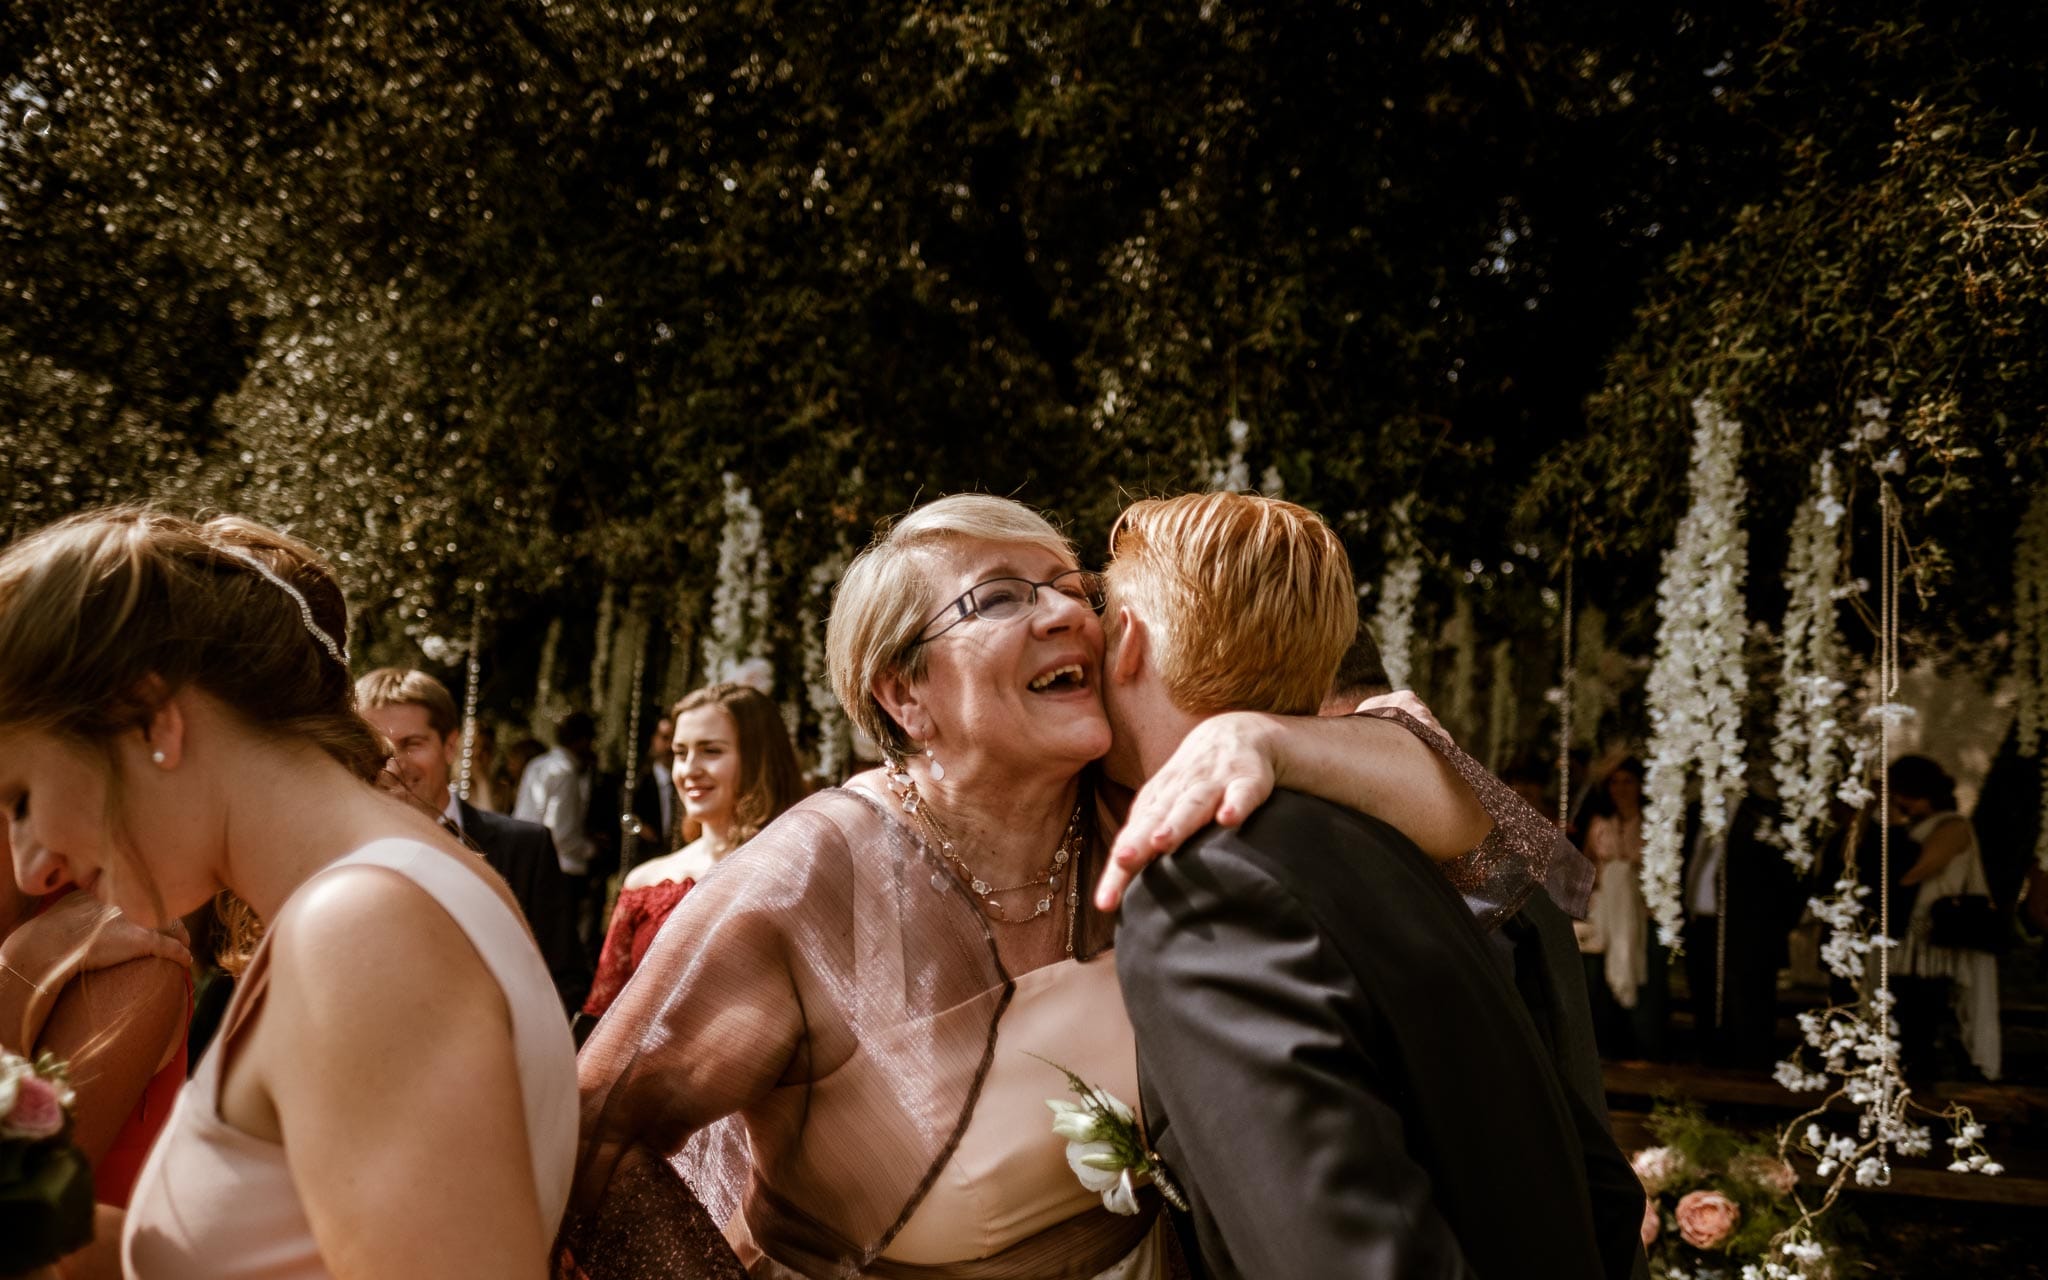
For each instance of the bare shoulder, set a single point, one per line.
(654, 871)
(367, 942)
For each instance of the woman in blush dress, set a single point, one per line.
(827, 1066)
(177, 720)
(735, 772)
(112, 1000)
(1624, 966)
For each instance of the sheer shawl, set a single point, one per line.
(803, 1045)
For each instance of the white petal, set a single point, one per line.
(1123, 1197)
(1096, 1180)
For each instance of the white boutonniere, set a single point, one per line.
(1105, 1147)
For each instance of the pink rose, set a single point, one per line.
(1768, 1172)
(1651, 1224)
(37, 1112)
(1707, 1218)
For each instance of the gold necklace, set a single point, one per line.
(1062, 858)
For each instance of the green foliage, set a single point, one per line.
(485, 300)
(1896, 253)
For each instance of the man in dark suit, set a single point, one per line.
(415, 712)
(1338, 1072)
(654, 797)
(1537, 951)
(1742, 900)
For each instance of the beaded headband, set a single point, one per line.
(339, 652)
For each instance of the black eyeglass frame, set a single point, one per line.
(968, 605)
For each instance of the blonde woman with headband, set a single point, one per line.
(177, 719)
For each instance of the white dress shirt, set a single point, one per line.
(555, 792)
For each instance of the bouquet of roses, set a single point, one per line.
(45, 1182)
(1717, 1204)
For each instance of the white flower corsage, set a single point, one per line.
(1105, 1147)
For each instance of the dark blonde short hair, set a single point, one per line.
(1248, 601)
(886, 597)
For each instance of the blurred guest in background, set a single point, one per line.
(654, 796)
(1625, 968)
(555, 791)
(489, 790)
(1945, 960)
(1741, 901)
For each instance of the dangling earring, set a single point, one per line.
(900, 781)
(937, 770)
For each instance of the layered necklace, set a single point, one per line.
(1046, 884)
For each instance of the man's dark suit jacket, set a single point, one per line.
(524, 854)
(1336, 1069)
(1540, 953)
(647, 808)
(1765, 900)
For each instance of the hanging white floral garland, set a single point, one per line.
(1807, 752)
(544, 707)
(1503, 708)
(1393, 621)
(1393, 618)
(1697, 686)
(2030, 644)
(835, 745)
(1850, 1053)
(739, 598)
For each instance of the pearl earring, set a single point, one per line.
(157, 756)
(937, 770)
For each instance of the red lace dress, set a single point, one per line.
(635, 921)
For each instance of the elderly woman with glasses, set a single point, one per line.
(841, 1040)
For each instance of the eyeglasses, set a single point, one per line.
(1000, 599)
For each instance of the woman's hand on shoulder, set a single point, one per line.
(1221, 773)
(1229, 764)
(77, 935)
(80, 934)
(389, 1059)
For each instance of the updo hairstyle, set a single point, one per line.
(93, 607)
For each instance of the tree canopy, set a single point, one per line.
(485, 302)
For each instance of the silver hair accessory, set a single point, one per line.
(339, 652)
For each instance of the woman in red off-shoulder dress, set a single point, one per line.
(735, 772)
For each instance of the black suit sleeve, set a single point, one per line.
(1246, 1034)
(553, 916)
(1552, 983)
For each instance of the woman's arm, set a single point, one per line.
(386, 1052)
(40, 958)
(1227, 767)
(1944, 845)
(115, 1028)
